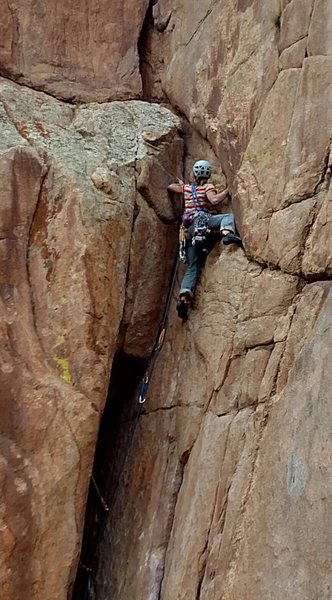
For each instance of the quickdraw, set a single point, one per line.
(201, 230)
(143, 389)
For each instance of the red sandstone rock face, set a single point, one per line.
(231, 501)
(70, 212)
(77, 50)
(222, 493)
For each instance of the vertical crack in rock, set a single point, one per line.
(143, 52)
(203, 562)
(231, 356)
(237, 535)
(204, 554)
(111, 454)
(311, 15)
(80, 462)
(181, 469)
(169, 527)
(33, 226)
(114, 468)
(306, 232)
(325, 180)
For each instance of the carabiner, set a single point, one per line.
(143, 390)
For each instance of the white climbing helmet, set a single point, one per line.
(202, 168)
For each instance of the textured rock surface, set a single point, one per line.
(232, 501)
(71, 218)
(223, 95)
(78, 51)
(295, 561)
(219, 488)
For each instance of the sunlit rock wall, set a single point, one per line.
(233, 501)
(73, 223)
(224, 493)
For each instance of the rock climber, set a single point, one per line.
(196, 222)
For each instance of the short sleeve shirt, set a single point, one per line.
(201, 191)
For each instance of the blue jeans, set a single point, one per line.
(189, 281)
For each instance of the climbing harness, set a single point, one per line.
(188, 218)
(201, 231)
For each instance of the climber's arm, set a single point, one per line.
(176, 187)
(216, 198)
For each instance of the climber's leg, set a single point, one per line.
(189, 282)
(226, 224)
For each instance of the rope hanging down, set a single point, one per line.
(102, 501)
(141, 399)
(90, 568)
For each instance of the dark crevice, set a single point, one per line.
(112, 448)
(185, 456)
(171, 407)
(202, 563)
(143, 52)
(34, 219)
(202, 568)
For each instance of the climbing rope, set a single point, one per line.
(88, 592)
(144, 385)
(102, 501)
(141, 399)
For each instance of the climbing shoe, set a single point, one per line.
(182, 309)
(232, 238)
